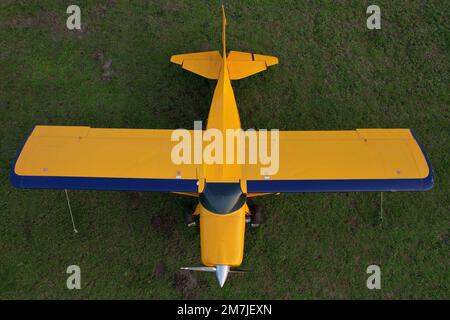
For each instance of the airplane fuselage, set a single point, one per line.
(222, 205)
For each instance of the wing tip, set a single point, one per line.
(14, 178)
(272, 61)
(177, 59)
(428, 181)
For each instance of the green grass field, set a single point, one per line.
(334, 73)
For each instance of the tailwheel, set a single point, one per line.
(189, 218)
(256, 215)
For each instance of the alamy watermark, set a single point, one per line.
(74, 20)
(374, 20)
(234, 146)
(74, 280)
(374, 280)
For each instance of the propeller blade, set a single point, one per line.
(238, 271)
(201, 269)
(212, 269)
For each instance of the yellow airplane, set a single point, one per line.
(79, 157)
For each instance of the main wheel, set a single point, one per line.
(189, 218)
(256, 216)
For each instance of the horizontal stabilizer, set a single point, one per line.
(243, 69)
(206, 64)
(248, 56)
(245, 64)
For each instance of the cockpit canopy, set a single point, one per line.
(222, 197)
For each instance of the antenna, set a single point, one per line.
(70, 211)
(224, 23)
(381, 207)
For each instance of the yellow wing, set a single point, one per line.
(105, 159)
(359, 160)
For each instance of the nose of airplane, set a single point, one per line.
(222, 274)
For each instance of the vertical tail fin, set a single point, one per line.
(224, 24)
(209, 64)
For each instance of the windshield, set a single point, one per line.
(223, 197)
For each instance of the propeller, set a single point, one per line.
(220, 270)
